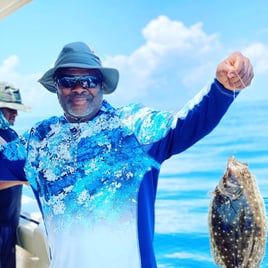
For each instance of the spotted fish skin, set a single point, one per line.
(237, 219)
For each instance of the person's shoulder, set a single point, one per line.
(45, 125)
(130, 108)
(13, 133)
(8, 134)
(46, 121)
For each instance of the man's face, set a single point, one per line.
(10, 115)
(79, 92)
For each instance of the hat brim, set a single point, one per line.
(15, 106)
(110, 77)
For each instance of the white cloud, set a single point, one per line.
(175, 61)
(8, 65)
(164, 35)
(172, 57)
(33, 94)
(258, 54)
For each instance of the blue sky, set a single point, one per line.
(165, 50)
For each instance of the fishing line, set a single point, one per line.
(234, 97)
(240, 79)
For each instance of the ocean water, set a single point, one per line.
(186, 181)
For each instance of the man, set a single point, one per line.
(10, 199)
(95, 169)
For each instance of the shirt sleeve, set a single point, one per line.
(165, 134)
(11, 170)
(12, 161)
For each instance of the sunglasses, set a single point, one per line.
(85, 81)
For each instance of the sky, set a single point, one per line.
(165, 50)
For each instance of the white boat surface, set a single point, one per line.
(32, 249)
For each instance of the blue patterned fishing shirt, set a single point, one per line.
(96, 181)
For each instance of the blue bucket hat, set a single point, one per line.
(79, 55)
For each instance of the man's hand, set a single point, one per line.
(235, 72)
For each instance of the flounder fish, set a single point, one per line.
(237, 219)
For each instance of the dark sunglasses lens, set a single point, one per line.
(84, 81)
(66, 82)
(89, 82)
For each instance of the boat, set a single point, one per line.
(9, 6)
(32, 250)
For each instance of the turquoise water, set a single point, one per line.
(186, 181)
